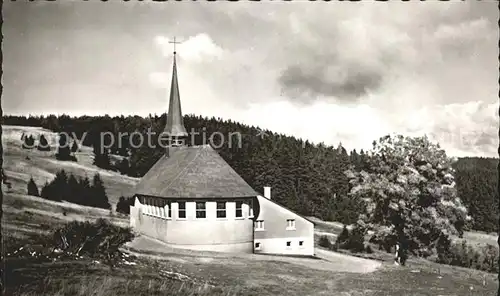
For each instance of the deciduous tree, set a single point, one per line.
(409, 194)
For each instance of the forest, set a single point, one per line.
(309, 178)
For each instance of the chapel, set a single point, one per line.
(192, 199)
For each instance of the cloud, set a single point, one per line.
(462, 129)
(196, 48)
(352, 75)
(343, 72)
(345, 57)
(159, 79)
(344, 83)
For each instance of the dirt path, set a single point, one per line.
(352, 264)
(325, 261)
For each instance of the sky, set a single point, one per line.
(332, 72)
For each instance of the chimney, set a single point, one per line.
(267, 192)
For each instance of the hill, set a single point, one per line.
(307, 178)
(21, 164)
(159, 270)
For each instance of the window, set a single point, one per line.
(259, 225)
(156, 208)
(201, 210)
(148, 206)
(181, 211)
(288, 244)
(301, 243)
(250, 208)
(168, 209)
(221, 209)
(290, 224)
(239, 210)
(257, 246)
(162, 212)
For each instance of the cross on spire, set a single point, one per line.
(174, 42)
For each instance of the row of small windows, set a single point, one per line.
(288, 244)
(290, 224)
(162, 208)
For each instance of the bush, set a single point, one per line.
(464, 255)
(123, 205)
(100, 239)
(344, 235)
(355, 242)
(324, 242)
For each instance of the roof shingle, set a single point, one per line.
(193, 172)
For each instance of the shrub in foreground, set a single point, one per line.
(100, 239)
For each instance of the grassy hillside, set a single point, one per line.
(162, 271)
(158, 269)
(20, 164)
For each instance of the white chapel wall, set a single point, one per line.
(211, 233)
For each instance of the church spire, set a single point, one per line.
(175, 122)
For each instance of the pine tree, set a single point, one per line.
(46, 191)
(124, 166)
(60, 186)
(101, 158)
(85, 193)
(63, 151)
(43, 144)
(29, 142)
(75, 148)
(99, 196)
(32, 188)
(51, 191)
(74, 190)
(344, 235)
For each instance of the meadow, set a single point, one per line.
(154, 269)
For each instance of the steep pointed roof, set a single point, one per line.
(193, 172)
(175, 121)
